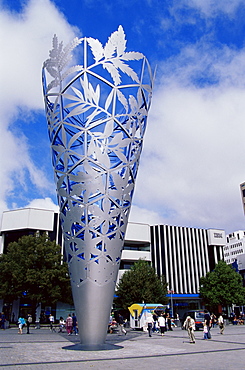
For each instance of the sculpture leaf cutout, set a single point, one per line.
(96, 48)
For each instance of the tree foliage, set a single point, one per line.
(33, 268)
(222, 286)
(140, 284)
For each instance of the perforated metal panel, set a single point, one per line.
(96, 113)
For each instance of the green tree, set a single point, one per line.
(140, 284)
(222, 286)
(32, 268)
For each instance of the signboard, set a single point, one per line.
(216, 237)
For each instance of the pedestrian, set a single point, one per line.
(74, 323)
(121, 325)
(155, 318)
(69, 324)
(51, 321)
(61, 324)
(2, 320)
(37, 322)
(150, 322)
(213, 320)
(221, 324)
(162, 324)
(28, 323)
(207, 321)
(169, 322)
(189, 324)
(21, 322)
(112, 325)
(205, 331)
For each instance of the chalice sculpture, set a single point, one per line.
(96, 113)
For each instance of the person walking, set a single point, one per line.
(69, 324)
(155, 323)
(213, 320)
(162, 324)
(28, 323)
(207, 321)
(121, 324)
(169, 322)
(150, 323)
(221, 324)
(51, 321)
(205, 331)
(189, 324)
(21, 322)
(74, 323)
(2, 320)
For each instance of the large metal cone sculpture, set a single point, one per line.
(96, 113)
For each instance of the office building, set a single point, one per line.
(181, 254)
(235, 246)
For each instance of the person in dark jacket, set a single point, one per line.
(121, 325)
(207, 322)
(28, 323)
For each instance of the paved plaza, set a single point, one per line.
(42, 349)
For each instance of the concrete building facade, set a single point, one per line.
(235, 246)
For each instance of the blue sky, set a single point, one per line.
(193, 159)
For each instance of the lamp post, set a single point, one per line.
(96, 112)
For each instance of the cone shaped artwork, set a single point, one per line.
(96, 113)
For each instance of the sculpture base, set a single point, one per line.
(93, 347)
(93, 304)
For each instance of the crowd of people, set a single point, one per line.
(209, 322)
(155, 322)
(70, 324)
(159, 322)
(117, 323)
(237, 320)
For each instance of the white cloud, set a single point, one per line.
(45, 203)
(144, 215)
(193, 158)
(25, 40)
(212, 7)
(206, 62)
(181, 9)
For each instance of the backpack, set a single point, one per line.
(29, 319)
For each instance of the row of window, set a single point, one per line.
(237, 252)
(236, 245)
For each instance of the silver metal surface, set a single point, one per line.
(96, 113)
